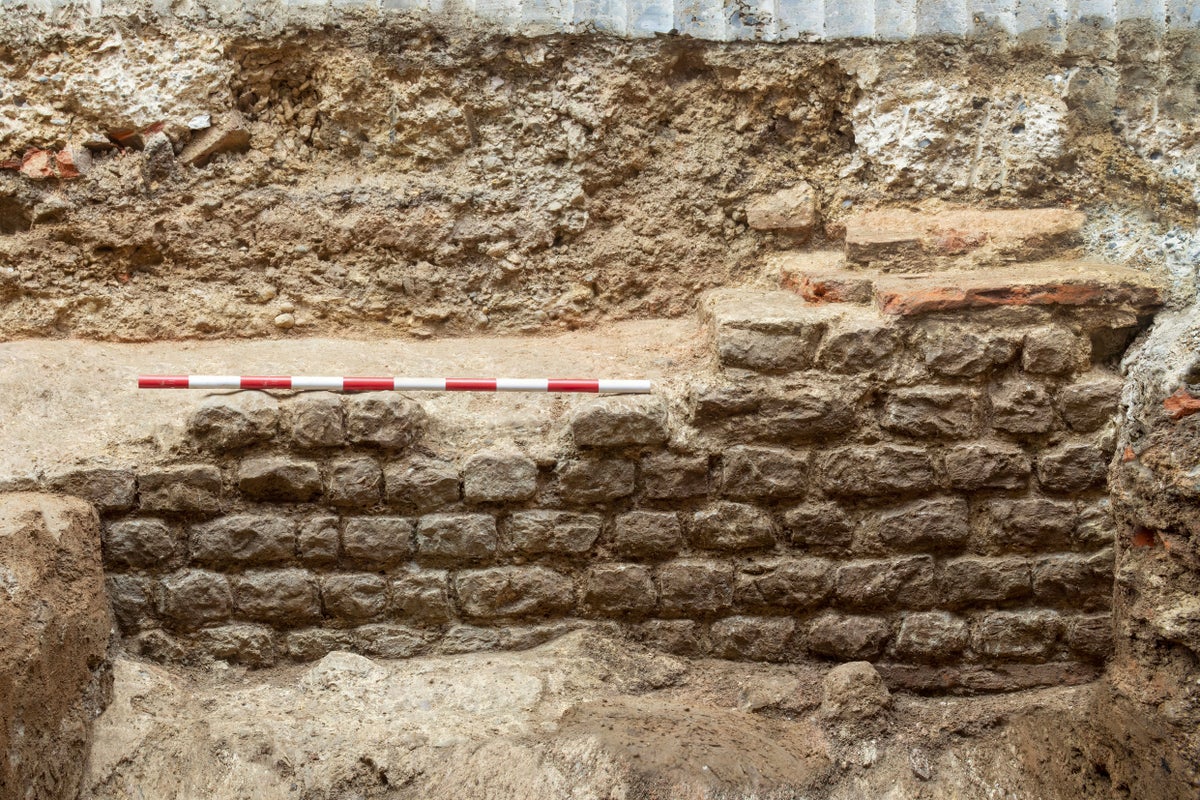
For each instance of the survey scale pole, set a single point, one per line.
(353, 384)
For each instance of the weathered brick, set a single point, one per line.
(754, 472)
(279, 478)
(937, 523)
(930, 411)
(317, 541)
(457, 538)
(877, 470)
(377, 542)
(960, 351)
(1090, 637)
(499, 476)
(243, 539)
(143, 543)
(279, 596)
(354, 482)
(422, 596)
(692, 586)
(187, 488)
(623, 589)
(132, 598)
(356, 597)
(620, 422)
(1091, 402)
(848, 637)
(819, 526)
(903, 582)
(1031, 523)
(987, 465)
(1079, 582)
(858, 345)
(252, 645)
(753, 638)
(732, 526)
(666, 476)
(1017, 635)
(1055, 350)
(647, 534)
(974, 581)
(384, 419)
(1095, 526)
(540, 531)
(422, 484)
(596, 480)
(108, 489)
(683, 637)
(191, 598)
(793, 583)
(384, 640)
(792, 211)
(228, 421)
(502, 592)
(931, 637)
(316, 420)
(1020, 406)
(310, 644)
(1072, 467)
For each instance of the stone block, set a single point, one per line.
(184, 489)
(1080, 582)
(626, 421)
(507, 592)
(1017, 635)
(666, 476)
(1094, 526)
(753, 638)
(132, 598)
(819, 526)
(499, 476)
(377, 542)
(1055, 350)
(647, 534)
(562, 532)
(682, 637)
(311, 644)
(252, 645)
(619, 589)
(848, 637)
(287, 597)
(108, 489)
(192, 598)
(384, 640)
(732, 526)
(280, 479)
(975, 581)
(792, 583)
(877, 471)
(316, 420)
(764, 331)
(354, 482)
(963, 351)
(987, 465)
(422, 596)
(229, 421)
(930, 412)
(454, 539)
(383, 419)
(1021, 406)
(756, 472)
(931, 524)
(228, 134)
(1090, 636)
(422, 484)
(317, 541)
(807, 412)
(143, 543)
(858, 345)
(596, 480)
(355, 598)
(931, 637)
(243, 539)
(792, 211)
(887, 583)
(767, 352)
(693, 586)
(1029, 523)
(1072, 467)
(853, 692)
(1091, 402)
(711, 402)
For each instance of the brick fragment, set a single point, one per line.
(1017, 635)
(457, 538)
(422, 596)
(422, 484)
(931, 524)
(186, 489)
(848, 637)
(931, 637)
(792, 583)
(192, 598)
(280, 597)
(142, 543)
(732, 526)
(930, 411)
(229, 421)
(753, 638)
(377, 542)
(1091, 402)
(819, 526)
(316, 419)
(1072, 467)
(692, 586)
(563, 532)
(108, 489)
(279, 479)
(1022, 407)
(252, 645)
(666, 476)
(505, 592)
(355, 598)
(619, 589)
(383, 419)
(620, 422)
(755, 472)
(243, 539)
(883, 583)
(1055, 350)
(499, 476)
(354, 482)
(987, 465)
(974, 581)
(647, 534)
(818, 277)
(877, 470)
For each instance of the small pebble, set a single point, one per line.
(285, 321)
(286, 307)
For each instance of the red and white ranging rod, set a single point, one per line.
(335, 384)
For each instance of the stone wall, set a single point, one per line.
(916, 479)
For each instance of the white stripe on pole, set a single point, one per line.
(420, 384)
(317, 382)
(625, 387)
(522, 384)
(214, 382)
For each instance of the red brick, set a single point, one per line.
(1181, 404)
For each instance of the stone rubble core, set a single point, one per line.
(916, 484)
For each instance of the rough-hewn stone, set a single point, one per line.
(503, 592)
(377, 542)
(279, 479)
(421, 484)
(317, 541)
(422, 596)
(186, 488)
(753, 638)
(930, 411)
(227, 421)
(858, 345)
(384, 419)
(354, 482)
(316, 420)
(987, 465)
(1074, 581)
(1028, 523)
(931, 636)
(252, 645)
(732, 526)
(355, 598)
(108, 489)
(793, 583)
(845, 636)
(143, 543)
(385, 640)
(853, 692)
(541, 531)
(1055, 350)
(1090, 636)
(885, 583)
(1017, 635)
(619, 589)
(975, 581)
(647, 534)
(620, 422)
(666, 476)
(1021, 406)
(243, 539)
(194, 597)
(936, 523)
(1090, 402)
(499, 476)
(279, 596)
(693, 586)
(682, 637)
(958, 350)
(819, 526)
(132, 599)
(457, 538)
(596, 480)
(877, 470)
(754, 472)
(1072, 467)
(791, 211)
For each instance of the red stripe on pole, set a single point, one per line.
(266, 382)
(470, 384)
(162, 381)
(368, 384)
(572, 385)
